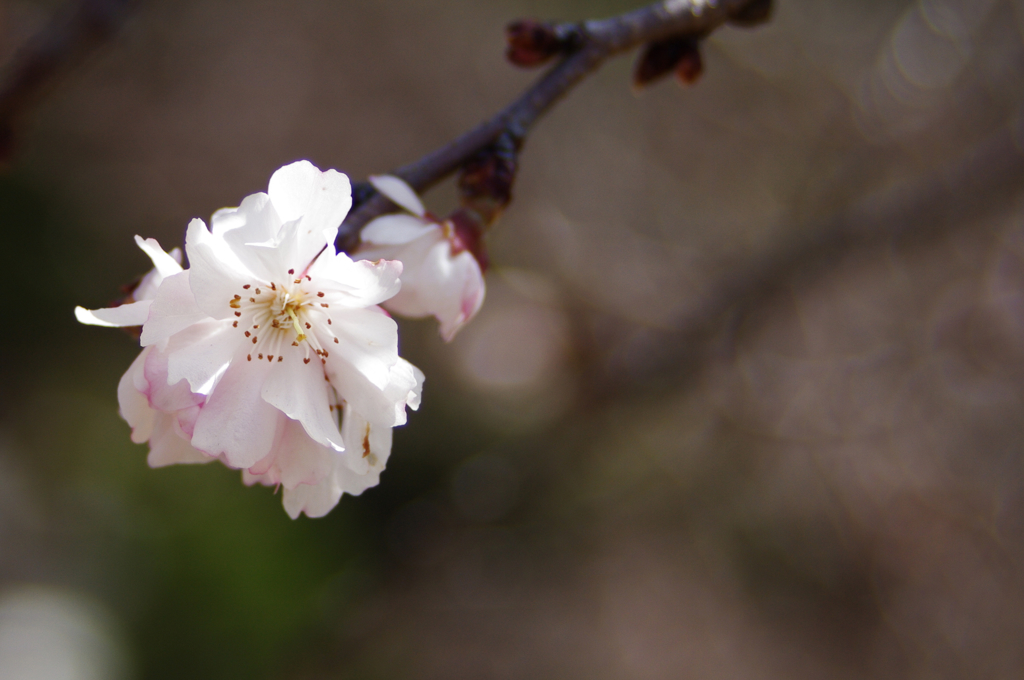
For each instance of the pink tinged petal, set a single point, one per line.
(426, 275)
(165, 396)
(300, 391)
(132, 314)
(185, 420)
(356, 284)
(426, 280)
(132, 400)
(368, 445)
(399, 192)
(173, 309)
(472, 298)
(392, 230)
(201, 352)
(295, 459)
(215, 273)
(168, 447)
(449, 288)
(320, 199)
(236, 422)
(248, 478)
(164, 263)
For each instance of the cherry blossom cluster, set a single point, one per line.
(272, 352)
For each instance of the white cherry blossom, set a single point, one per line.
(252, 354)
(440, 278)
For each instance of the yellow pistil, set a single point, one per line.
(299, 335)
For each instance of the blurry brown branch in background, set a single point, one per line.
(660, 27)
(73, 33)
(956, 196)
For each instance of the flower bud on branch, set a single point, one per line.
(533, 43)
(486, 180)
(469, 236)
(678, 53)
(691, 66)
(585, 46)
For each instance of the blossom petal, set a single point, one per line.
(301, 393)
(164, 263)
(272, 258)
(296, 459)
(134, 405)
(384, 405)
(164, 394)
(399, 192)
(369, 445)
(229, 219)
(397, 230)
(359, 283)
(406, 384)
(259, 224)
(436, 284)
(320, 199)
(167, 447)
(215, 273)
(174, 309)
(131, 314)
(465, 303)
(367, 339)
(236, 422)
(424, 262)
(199, 354)
(316, 500)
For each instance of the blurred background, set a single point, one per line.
(744, 400)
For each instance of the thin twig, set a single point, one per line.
(596, 42)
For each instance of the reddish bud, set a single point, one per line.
(468, 234)
(660, 58)
(690, 66)
(532, 43)
(486, 180)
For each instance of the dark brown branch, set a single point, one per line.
(595, 42)
(71, 35)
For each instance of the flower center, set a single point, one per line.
(277, 317)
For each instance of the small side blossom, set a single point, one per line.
(440, 276)
(270, 352)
